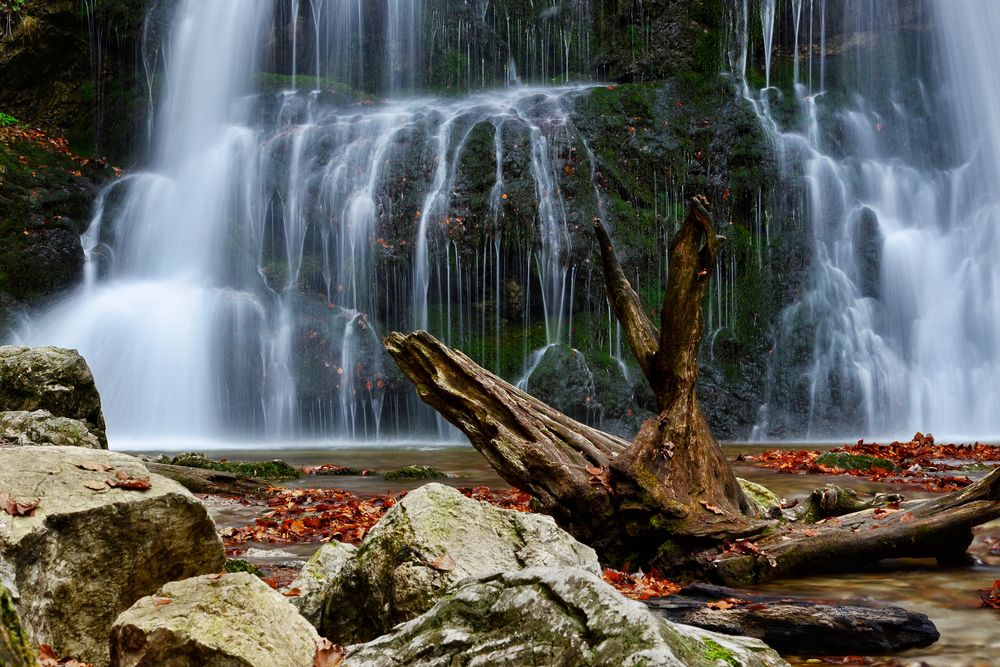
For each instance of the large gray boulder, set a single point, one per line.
(89, 549)
(52, 379)
(232, 620)
(549, 616)
(22, 428)
(15, 649)
(316, 580)
(424, 545)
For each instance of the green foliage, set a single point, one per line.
(276, 469)
(845, 461)
(413, 472)
(7, 120)
(715, 651)
(234, 565)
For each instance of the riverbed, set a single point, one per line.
(970, 635)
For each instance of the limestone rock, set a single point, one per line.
(548, 616)
(52, 379)
(15, 649)
(22, 428)
(88, 550)
(232, 620)
(317, 577)
(429, 541)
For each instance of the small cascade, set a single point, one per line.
(887, 134)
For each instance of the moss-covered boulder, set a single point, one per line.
(549, 616)
(22, 428)
(15, 648)
(276, 469)
(317, 577)
(423, 546)
(413, 472)
(231, 620)
(52, 379)
(766, 502)
(104, 533)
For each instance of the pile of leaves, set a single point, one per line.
(322, 515)
(919, 462)
(640, 586)
(312, 515)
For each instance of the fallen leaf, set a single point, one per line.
(292, 593)
(15, 507)
(159, 602)
(443, 564)
(720, 604)
(328, 654)
(712, 508)
(94, 485)
(216, 576)
(94, 466)
(124, 480)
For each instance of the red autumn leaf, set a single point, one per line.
(94, 466)
(15, 507)
(124, 480)
(328, 654)
(159, 602)
(292, 593)
(443, 564)
(714, 509)
(720, 605)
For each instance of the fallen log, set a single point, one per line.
(670, 498)
(199, 480)
(799, 627)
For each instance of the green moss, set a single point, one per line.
(413, 472)
(845, 461)
(276, 469)
(7, 120)
(240, 565)
(15, 649)
(715, 651)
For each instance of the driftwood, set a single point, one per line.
(198, 480)
(669, 499)
(799, 627)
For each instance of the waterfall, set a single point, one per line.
(896, 151)
(240, 285)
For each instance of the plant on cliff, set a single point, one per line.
(10, 15)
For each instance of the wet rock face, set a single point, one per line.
(423, 546)
(552, 616)
(52, 379)
(89, 550)
(213, 621)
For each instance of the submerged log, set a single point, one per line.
(799, 627)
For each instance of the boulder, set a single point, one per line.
(549, 616)
(232, 620)
(15, 649)
(424, 545)
(22, 428)
(317, 577)
(89, 550)
(761, 497)
(52, 379)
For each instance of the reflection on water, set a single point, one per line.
(970, 636)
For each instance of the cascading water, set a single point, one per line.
(895, 138)
(238, 287)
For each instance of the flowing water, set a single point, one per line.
(893, 132)
(241, 284)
